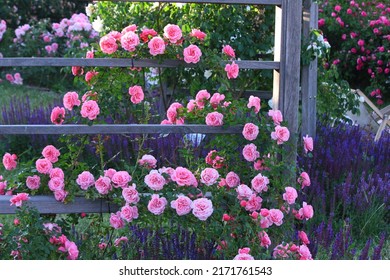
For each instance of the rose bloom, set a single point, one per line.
(265, 241)
(304, 253)
(70, 100)
(51, 153)
(303, 237)
(173, 111)
(201, 97)
(121, 178)
(77, 70)
(229, 51)
(157, 205)
(183, 177)
(18, 199)
(306, 212)
(192, 54)
(250, 152)
(137, 94)
(290, 195)
(254, 102)
(202, 208)
(85, 180)
(130, 194)
(154, 180)
(119, 240)
(182, 205)
(243, 254)
(3, 186)
(103, 185)
(148, 160)
(109, 172)
(129, 41)
(57, 172)
(253, 203)
(276, 116)
(128, 213)
(108, 44)
(156, 46)
(250, 131)
(243, 192)
(60, 195)
(209, 176)
(216, 99)
(9, 161)
(71, 249)
(57, 115)
(172, 32)
(56, 184)
(259, 183)
(276, 216)
(43, 166)
(232, 70)
(89, 54)
(198, 34)
(191, 105)
(146, 33)
(281, 134)
(307, 143)
(89, 75)
(90, 109)
(116, 220)
(304, 180)
(33, 182)
(232, 179)
(214, 159)
(214, 119)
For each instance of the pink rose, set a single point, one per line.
(128, 213)
(71, 249)
(146, 34)
(156, 46)
(214, 119)
(89, 54)
(214, 159)
(130, 194)
(243, 192)
(192, 54)
(56, 184)
(3, 186)
(57, 115)
(57, 172)
(306, 212)
(130, 28)
(109, 173)
(243, 254)
(77, 70)
(121, 179)
(202, 208)
(157, 205)
(90, 109)
(209, 176)
(103, 185)
(191, 105)
(260, 183)
(172, 33)
(276, 116)
(232, 70)
(250, 152)
(276, 216)
(183, 177)
(232, 179)
(154, 180)
(198, 34)
(304, 180)
(254, 102)
(129, 41)
(201, 97)
(148, 161)
(43, 166)
(253, 203)
(290, 195)
(108, 44)
(173, 111)
(18, 199)
(229, 51)
(9, 161)
(71, 99)
(303, 237)
(33, 182)
(85, 180)
(51, 153)
(304, 253)
(182, 205)
(250, 131)
(281, 134)
(137, 94)
(116, 220)
(265, 241)
(307, 143)
(119, 240)
(216, 99)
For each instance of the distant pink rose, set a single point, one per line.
(130, 194)
(108, 44)
(232, 70)
(281, 134)
(71, 99)
(290, 195)
(130, 28)
(56, 184)
(276, 116)
(128, 213)
(232, 180)
(214, 119)
(9, 78)
(209, 176)
(265, 241)
(192, 54)
(198, 34)
(243, 254)
(183, 177)
(303, 237)
(201, 97)
(51, 153)
(250, 152)
(255, 102)
(182, 205)
(18, 199)
(9, 161)
(202, 208)
(156, 46)
(243, 192)
(216, 99)
(253, 203)
(130, 41)
(307, 143)
(276, 216)
(306, 212)
(157, 205)
(148, 161)
(304, 180)
(337, 8)
(116, 220)
(57, 172)
(260, 183)
(137, 94)
(43, 166)
(154, 180)
(304, 253)
(121, 179)
(57, 115)
(229, 51)
(90, 109)
(33, 182)
(250, 131)
(85, 180)
(103, 185)
(173, 33)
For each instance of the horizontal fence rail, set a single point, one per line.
(121, 62)
(46, 204)
(116, 129)
(240, 2)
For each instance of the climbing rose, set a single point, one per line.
(250, 131)
(254, 102)
(43, 166)
(281, 134)
(290, 195)
(9, 161)
(214, 119)
(209, 176)
(57, 115)
(18, 199)
(182, 205)
(70, 100)
(192, 54)
(51, 153)
(250, 152)
(276, 116)
(129, 41)
(156, 46)
(33, 182)
(304, 180)
(108, 44)
(202, 208)
(173, 33)
(229, 51)
(154, 180)
(243, 254)
(307, 144)
(232, 70)
(157, 205)
(137, 94)
(85, 180)
(90, 109)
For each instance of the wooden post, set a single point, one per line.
(309, 73)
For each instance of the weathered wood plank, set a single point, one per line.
(121, 62)
(115, 129)
(46, 204)
(241, 2)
